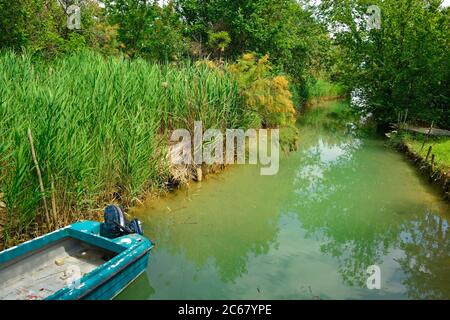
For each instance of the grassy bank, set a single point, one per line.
(420, 145)
(435, 161)
(440, 148)
(99, 128)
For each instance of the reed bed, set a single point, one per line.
(321, 89)
(100, 129)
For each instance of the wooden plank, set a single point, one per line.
(433, 132)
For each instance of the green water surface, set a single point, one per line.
(341, 203)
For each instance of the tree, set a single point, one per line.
(402, 66)
(40, 26)
(283, 29)
(146, 29)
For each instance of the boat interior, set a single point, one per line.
(40, 273)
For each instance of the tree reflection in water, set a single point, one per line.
(361, 218)
(338, 205)
(426, 243)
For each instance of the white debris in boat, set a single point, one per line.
(75, 286)
(125, 241)
(59, 262)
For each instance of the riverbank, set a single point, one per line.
(320, 100)
(430, 154)
(320, 91)
(83, 131)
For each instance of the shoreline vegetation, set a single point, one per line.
(321, 91)
(101, 128)
(431, 155)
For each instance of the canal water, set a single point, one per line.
(343, 202)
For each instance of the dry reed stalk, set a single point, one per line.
(41, 182)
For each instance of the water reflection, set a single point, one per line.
(338, 205)
(426, 244)
(315, 162)
(359, 207)
(206, 229)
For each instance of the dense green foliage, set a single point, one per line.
(318, 88)
(402, 66)
(99, 127)
(40, 26)
(147, 29)
(296, 43)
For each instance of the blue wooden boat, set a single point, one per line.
(73, 263)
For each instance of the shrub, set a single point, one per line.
(267, 95)
(40, 26)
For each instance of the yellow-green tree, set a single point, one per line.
(267, 95)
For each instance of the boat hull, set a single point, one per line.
(112, 288)
(100, 268)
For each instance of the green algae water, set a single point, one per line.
(343, 202)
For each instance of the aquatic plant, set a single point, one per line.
(99, 128)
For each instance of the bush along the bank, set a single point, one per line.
(401, 65)
(267, 96)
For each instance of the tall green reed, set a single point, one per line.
(100, 127)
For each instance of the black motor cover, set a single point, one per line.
(116, 224)
(115, 220)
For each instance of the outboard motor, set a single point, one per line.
(136, 226)
(116, 224)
